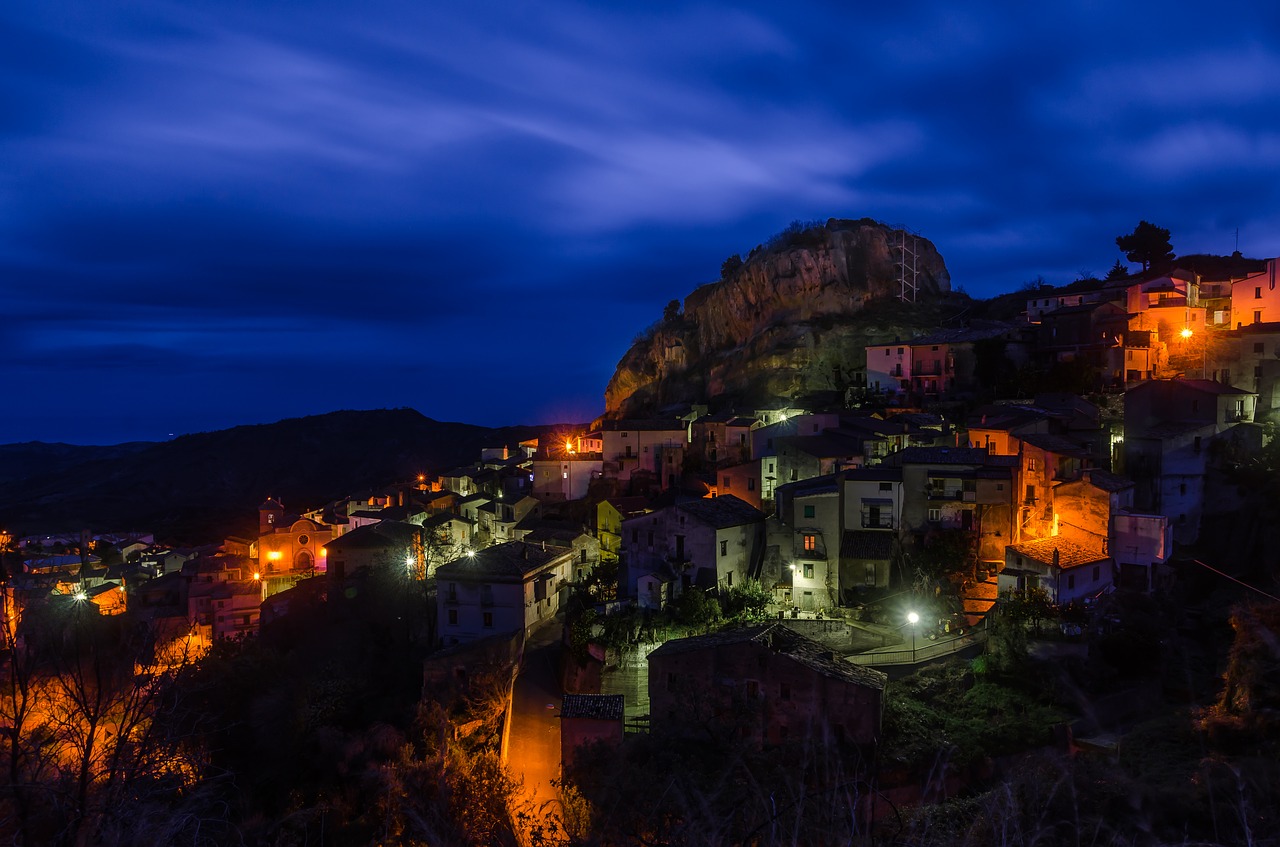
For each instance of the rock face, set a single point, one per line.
(782, 324)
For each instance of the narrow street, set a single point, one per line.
(533, 743)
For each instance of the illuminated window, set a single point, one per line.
(810, 543)
(808, 570)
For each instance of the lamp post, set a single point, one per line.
(913, 619)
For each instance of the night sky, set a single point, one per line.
(223, 213)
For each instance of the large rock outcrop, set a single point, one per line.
(782, 324)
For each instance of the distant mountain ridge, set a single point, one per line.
(199, 488)
(32, 458)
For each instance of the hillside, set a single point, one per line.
(30, 458)
(198, 488)
(789, 321)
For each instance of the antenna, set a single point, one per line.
(908, 272)
(1237, 239)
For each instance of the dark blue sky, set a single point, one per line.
(214, 213)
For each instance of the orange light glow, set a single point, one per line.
(257, 575)
(273, 555)
(1186, 332)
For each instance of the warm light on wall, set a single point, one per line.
(273, 555)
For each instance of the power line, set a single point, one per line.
(1233, 579)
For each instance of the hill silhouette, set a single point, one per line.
(198, 488)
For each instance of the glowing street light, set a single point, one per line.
(1186, 332)
(913, 619)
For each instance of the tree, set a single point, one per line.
(1148, 245)
(1118, 271)
(730, 266)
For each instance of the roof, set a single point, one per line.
(643, 425)
(1071, 554)
(1105, 480)
(1211, 387)
(1053, 444)
(595, 707)
(513, 561)
(787, 642)
(1260, 328)
(944, 456)
(866, 544)
(720, 512)
(877, 473)
(961, 335)
(826, 444)
(374, 537)
(826, 484)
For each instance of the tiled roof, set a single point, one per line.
(507, 562)
(374, 536)
(1053, 443)
(596, 707)
(1107, 481)
(1071, 554)
(957, 336)
(720, 512)
(780, 639)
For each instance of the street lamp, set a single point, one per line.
(913, 619)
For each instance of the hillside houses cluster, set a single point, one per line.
(825, 509)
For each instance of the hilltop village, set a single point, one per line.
(765, 572)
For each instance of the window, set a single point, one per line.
(935, 515)
(808, 511)
(1257, 317)
(1031, 463)
(810, 542)
(751, 485)
(793, 474)
(886, 486)
(886, 351)
(808, 570)
(724, 548)
(1071, 581)
(1097, 572)
(453, 617)
(728, 578)
(1257, 292)
(753, 689)
(1257, 347)
(488, 619)
(726, 482)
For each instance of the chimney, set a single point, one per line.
(1056, 564)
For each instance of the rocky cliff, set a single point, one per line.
(790, 320)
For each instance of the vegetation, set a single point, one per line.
(1147, 245)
